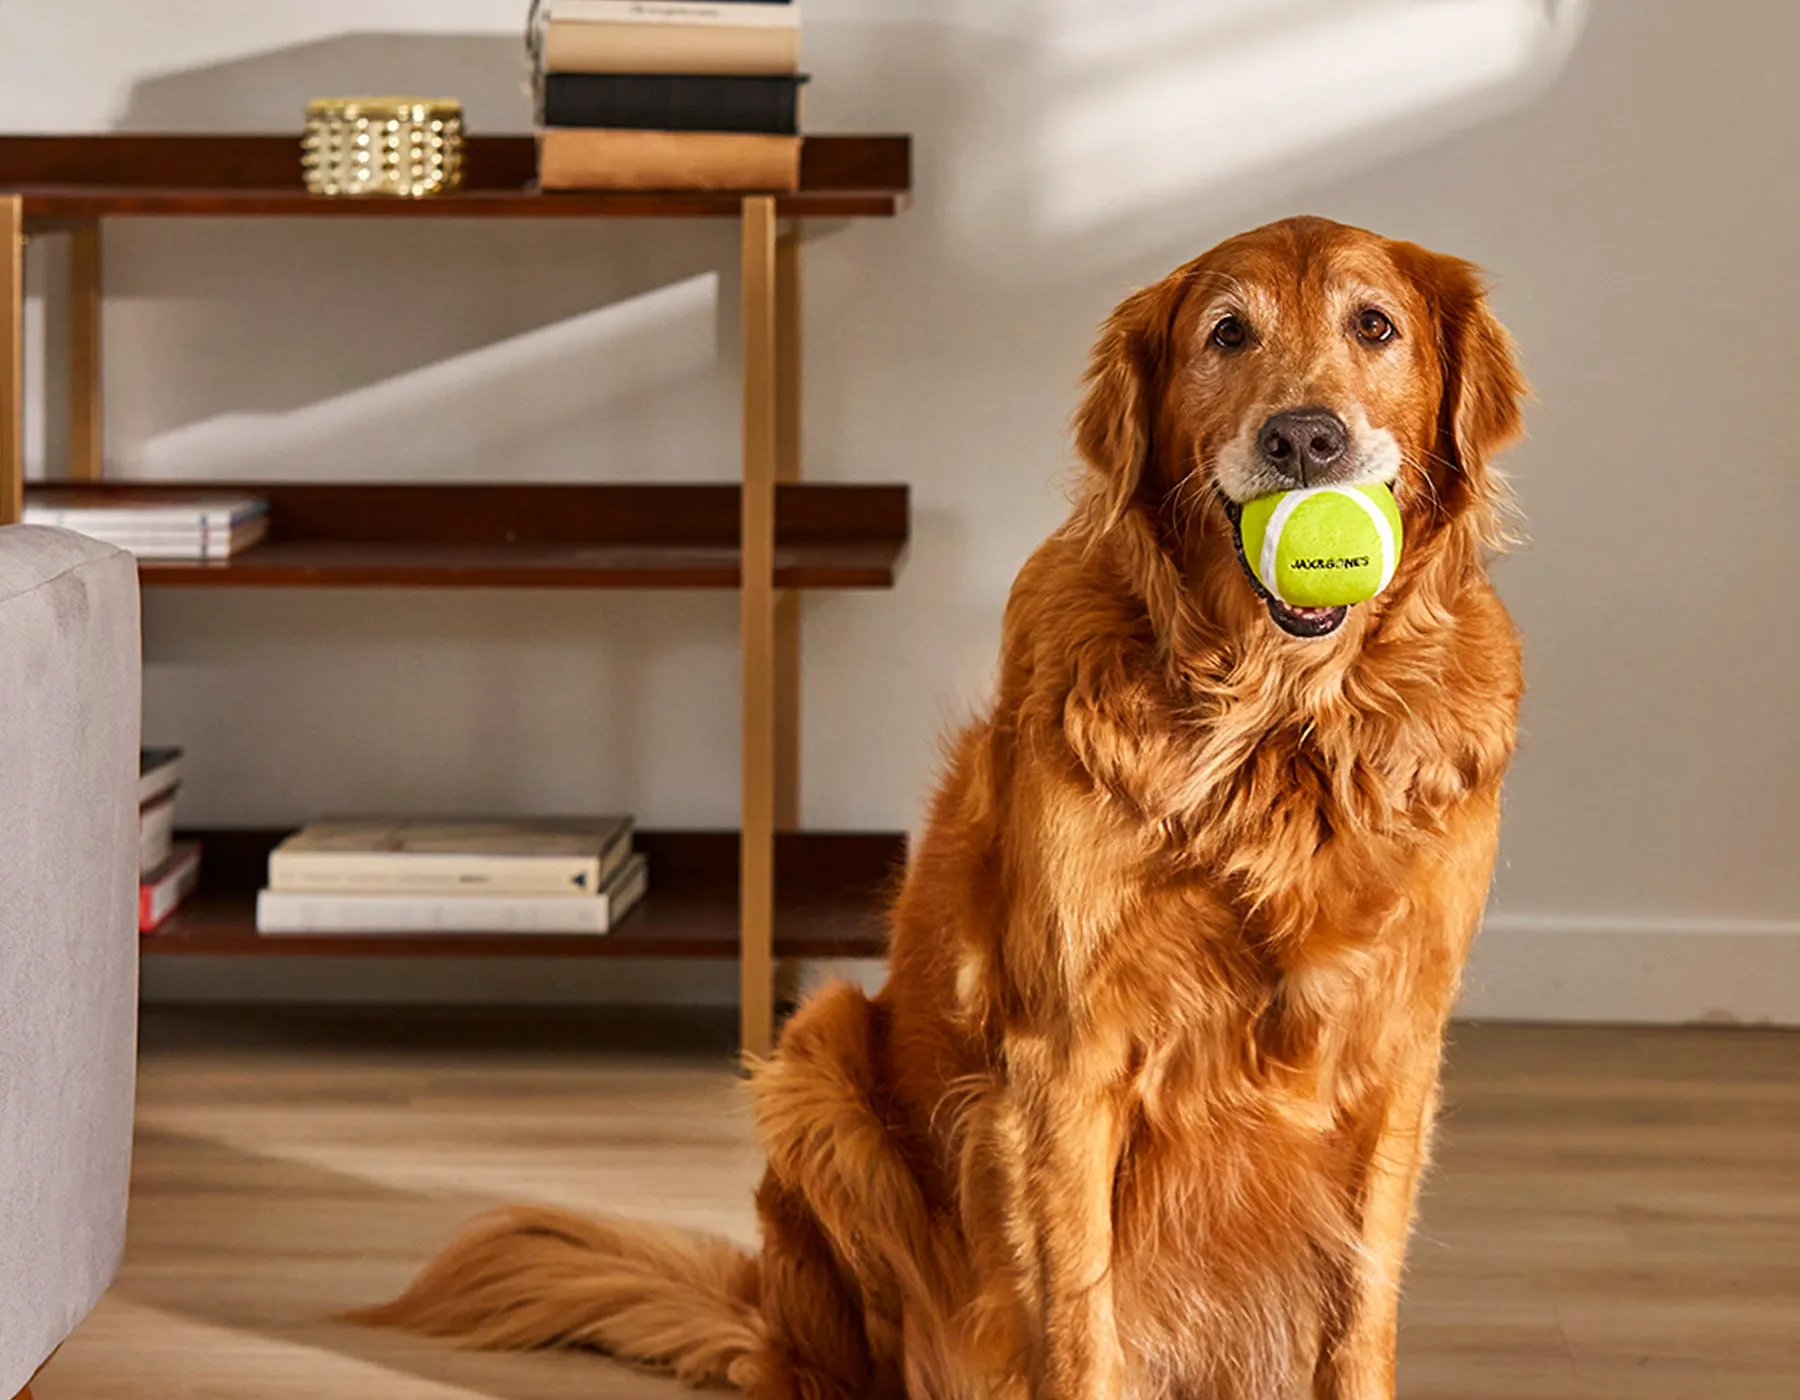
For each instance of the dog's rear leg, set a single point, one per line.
(816, 1345)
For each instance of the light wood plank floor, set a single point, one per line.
(1615, 1213)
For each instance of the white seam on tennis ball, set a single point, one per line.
(1278, 519)
(1390, 556)
(1293, 500)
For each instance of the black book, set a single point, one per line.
(674, 102)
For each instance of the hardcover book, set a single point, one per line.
(570, 158)
(290, 912)
(166, 525)
(162, 890)
(570, 46)
(563, 858)
(179, 542)
(194, 509)
(741, 13)
(674, 102)
(159, 770)
(156, 829)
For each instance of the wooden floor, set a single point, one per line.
(1615, 1213)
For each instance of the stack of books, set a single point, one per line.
(168, 869)
(668, 94)
(197, 525)
(548, 875)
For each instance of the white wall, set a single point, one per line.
(1640, 218)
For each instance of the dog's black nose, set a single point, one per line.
(1303, 444)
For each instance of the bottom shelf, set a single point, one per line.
(832, 892)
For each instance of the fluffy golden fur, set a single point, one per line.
(1142, 1107)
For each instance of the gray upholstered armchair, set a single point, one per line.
(69, 707)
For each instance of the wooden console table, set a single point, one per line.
(770, 889)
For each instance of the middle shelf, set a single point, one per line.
(428, 535)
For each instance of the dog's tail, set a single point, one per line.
(532, 1276)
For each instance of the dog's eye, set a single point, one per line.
(1373, 326)
(1230, 333)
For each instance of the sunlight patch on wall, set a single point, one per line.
(1384, 75)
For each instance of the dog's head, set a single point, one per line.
(1300, 354)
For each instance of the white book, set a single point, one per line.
(156, 830)
(742, 14)
(73, 509)
(285, 912)
(159, 770)
(171, 531)
(201, 544)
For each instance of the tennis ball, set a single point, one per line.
(1324, 547)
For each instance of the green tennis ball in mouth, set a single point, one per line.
(1323, 547)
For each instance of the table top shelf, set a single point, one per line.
(66, 180)
(832, 890)
(431, 535)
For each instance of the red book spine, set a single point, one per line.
(162, 893)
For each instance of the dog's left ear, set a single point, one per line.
(1483, 391)
(1115, 425)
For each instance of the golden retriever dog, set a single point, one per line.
(1142, 1108)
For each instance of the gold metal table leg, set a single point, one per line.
(757, 630)
(86, 439)
(12, 358)
(788, 292)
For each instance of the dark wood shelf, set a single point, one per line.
(78, 178)
(827, 888)
(425, 535)
(831, 896)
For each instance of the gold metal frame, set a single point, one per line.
(769, 618)
(12, 359)
(87, 442)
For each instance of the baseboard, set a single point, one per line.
(1523, 968)
(1546, 967)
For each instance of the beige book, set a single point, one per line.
(566, 857)
(708, 13)
(571, 46)
(576, 158)
(291, 911)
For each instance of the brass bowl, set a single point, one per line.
(409, 147)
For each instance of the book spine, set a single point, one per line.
(349, 872)
(571, 47)
(149, 518)
(169, 554)
(673, 102)
(573, 159)
(159, 900)
(157, 533)
(742, 14)
(156, 833)
(280, 911)
(157, 783)
(212, 545)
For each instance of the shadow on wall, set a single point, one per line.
(269, 91)
(1065, 150)
(406, 349)
(1059, 154)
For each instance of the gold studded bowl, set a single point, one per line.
(408, 147)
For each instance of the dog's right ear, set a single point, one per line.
(1114, 427)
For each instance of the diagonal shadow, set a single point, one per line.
(238, 1258)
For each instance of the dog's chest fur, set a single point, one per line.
(1270, 963)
